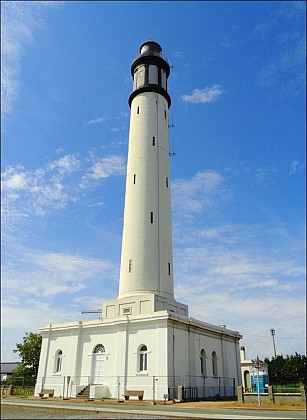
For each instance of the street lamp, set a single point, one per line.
(257, 366)
(273, 334)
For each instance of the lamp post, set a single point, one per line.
(273, 334)
(257, 366)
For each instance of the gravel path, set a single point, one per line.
(21, 412)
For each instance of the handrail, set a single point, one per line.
(148, 53)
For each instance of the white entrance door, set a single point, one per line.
(98, 359)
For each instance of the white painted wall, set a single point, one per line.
(121, 338)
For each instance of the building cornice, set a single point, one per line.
(141, 318)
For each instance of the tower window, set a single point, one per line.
(151, 217)
(134, 178)
(138, 110)
(130, 266)
(153, 141)
(163, 79)
(169, 268)
(165, 113)
(166, 182)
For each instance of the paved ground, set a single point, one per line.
(21, 412)
(56, 408)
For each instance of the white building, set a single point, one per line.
(145, 339)
(250, 374)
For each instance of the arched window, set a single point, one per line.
(99, 349)
(203, 362)
(142, 356)
(58, 361)
(214, 364)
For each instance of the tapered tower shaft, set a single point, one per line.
(146, 259)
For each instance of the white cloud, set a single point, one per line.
(103, 168)
(36, 284)
(249, 288)
(287, 68)
(191, 197)
(265, 175)
(203, 96)
(50, 274)
(29, 316)
(253, 316)
(15, 181)
(293, 167)
(19, 20)
(229, 233)
(178, 54)
(95, 121)
(37, 192)
(240, 265)
(66, 164)
(249, 277)
(111, 120)
(99, 204)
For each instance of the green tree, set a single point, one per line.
(288, 368)
(29, 352)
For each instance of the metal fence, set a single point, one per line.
(286, 387)
(154, 388)
(210, 387)
(114, 387)
(26, 391)
(20, 381)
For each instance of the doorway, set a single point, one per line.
(97, 364)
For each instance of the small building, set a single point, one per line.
(7, 369)
(250, 375)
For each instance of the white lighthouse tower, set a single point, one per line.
(146, 261)
(145, 344)
(146, 271)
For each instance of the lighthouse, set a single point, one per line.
(146, 271)
(144, 345)
(147, 259)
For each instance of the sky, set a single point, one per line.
(237, 85)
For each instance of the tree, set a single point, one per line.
(29, 352)
(288, 368)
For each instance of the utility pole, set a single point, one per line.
(273, 334)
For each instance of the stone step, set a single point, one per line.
(84, 393)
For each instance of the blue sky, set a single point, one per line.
(238, 177)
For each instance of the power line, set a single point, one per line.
(281, 338)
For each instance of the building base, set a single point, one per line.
(153, 353)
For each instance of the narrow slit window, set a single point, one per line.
(165, 113)
(130, 266)
(151, 217)
(166, 182)
(138, 110)
(169, 268)
(134, 178)
(153, 141)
